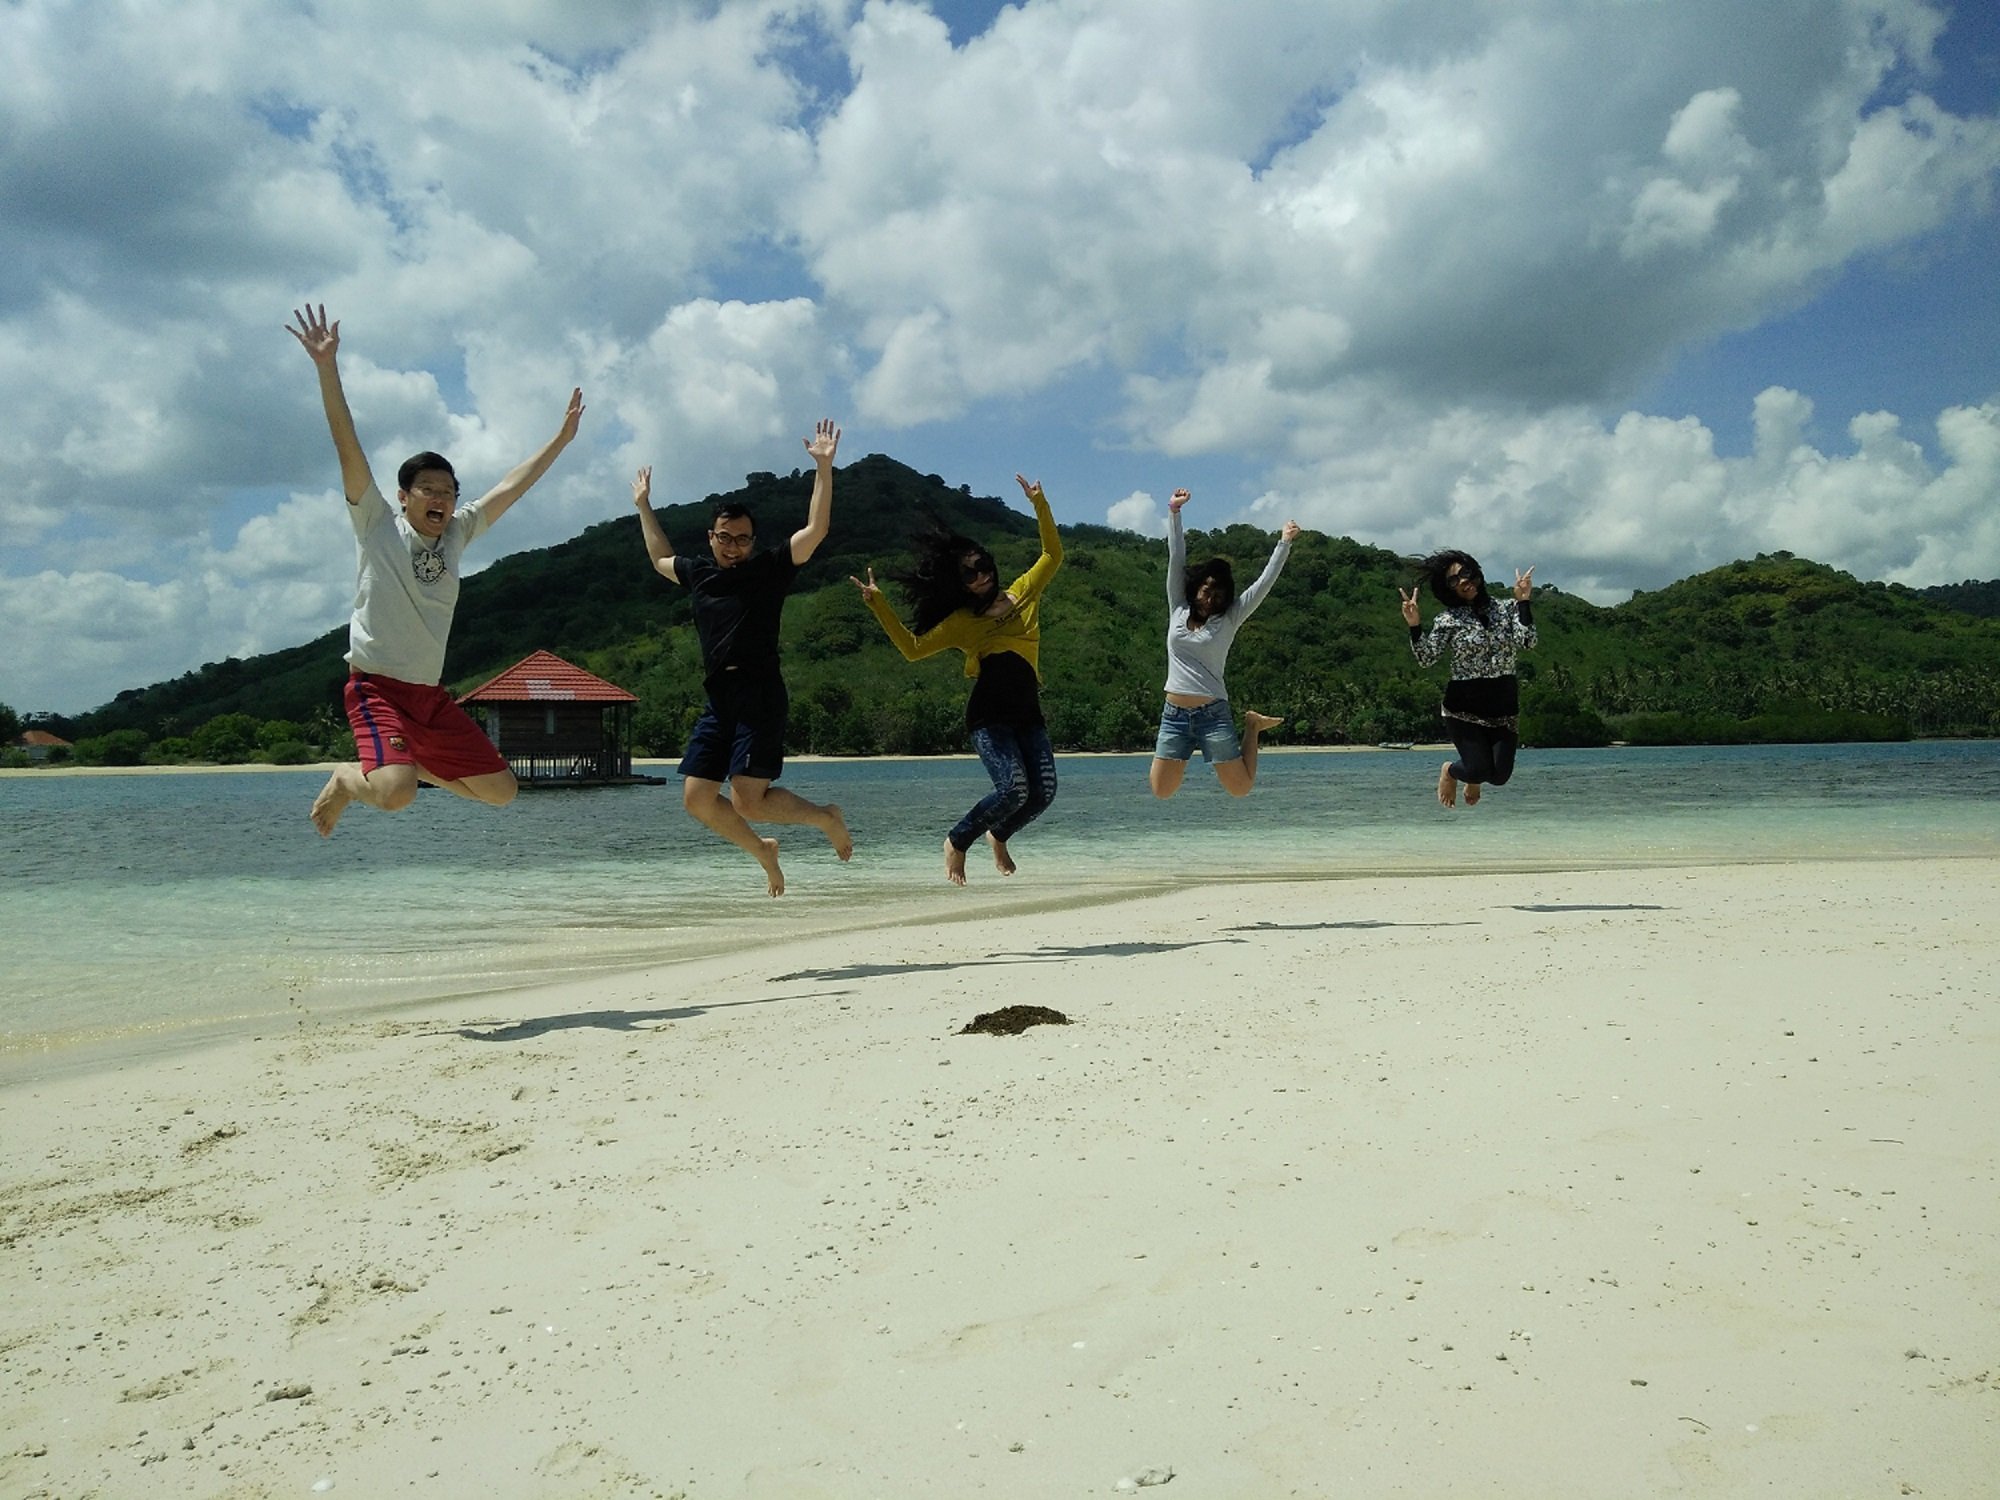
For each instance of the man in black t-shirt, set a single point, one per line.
(738, 598)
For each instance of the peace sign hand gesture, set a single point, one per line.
(868, 589)
(1410, 615)
(1524, 583)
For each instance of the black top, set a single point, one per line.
(1487, 697)
(736, 609)
(1007, 692)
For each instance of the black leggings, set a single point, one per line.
(1485, 754)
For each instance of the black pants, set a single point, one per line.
(1485, 754)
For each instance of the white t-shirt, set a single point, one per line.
(405, 589)
(1195, 658)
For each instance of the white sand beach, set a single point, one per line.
(1648, 1182)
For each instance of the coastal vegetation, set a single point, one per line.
(1774, 648)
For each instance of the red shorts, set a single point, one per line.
(399, 723)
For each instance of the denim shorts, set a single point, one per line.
(1212, 726)
(741, 731)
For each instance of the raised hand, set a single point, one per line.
(318, 337)
(642, 489)
(1290, 532)
(1032, 488)
(1524, 584)
(572, 416)
(868, 589)
(1410, 614)
(824, 442)
(1177, 499)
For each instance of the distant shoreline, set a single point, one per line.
(668, 761)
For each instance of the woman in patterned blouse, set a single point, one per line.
(1482, 701)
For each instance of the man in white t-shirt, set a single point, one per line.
(406, 727)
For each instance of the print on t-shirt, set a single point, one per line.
(427, 565)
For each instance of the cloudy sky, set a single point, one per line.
(1621, 288)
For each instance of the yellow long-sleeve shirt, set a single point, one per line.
(980, 636)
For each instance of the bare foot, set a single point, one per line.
(1447, 786)
(1260, 722)
(1472, 794)
(767, 856)
(330, 804)
(954, 863)
(1002, 860)
(836, 833)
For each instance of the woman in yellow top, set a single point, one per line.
(959, 605)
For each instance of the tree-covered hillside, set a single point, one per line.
(1972, 597)
(1775, 647)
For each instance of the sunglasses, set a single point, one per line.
(973, 571)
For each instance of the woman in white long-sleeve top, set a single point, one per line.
(1482, 701)
(1204, 612)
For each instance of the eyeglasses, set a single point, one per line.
(732, 538)
(1464, 577)
(435, 491)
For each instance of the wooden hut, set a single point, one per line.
(559, 726)
(41, 745)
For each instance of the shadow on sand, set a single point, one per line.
(1042, 955)
(611, 1020)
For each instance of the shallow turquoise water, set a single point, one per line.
(140, 905)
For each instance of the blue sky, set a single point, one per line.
(1621, 291)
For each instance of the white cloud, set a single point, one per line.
(1136, 512)
(1669, 214)
(1705, 134)
(1603, 510)
(1401, 264)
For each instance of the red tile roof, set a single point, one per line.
(547, 678)
(41, 737)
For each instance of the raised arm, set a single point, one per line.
(657, 546)
(822, 445)
(941, 637)
(521, 478)
(944, 636)
(1525, 638)
(321, 340)
(1176, 551)
(1255, 594)
(1037, 578)
(1423, 645)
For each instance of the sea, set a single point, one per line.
(142, 909)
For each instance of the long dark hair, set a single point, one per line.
(933, 583)
(1432, 570)
(1225, 585)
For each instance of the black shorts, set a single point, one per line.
(741, 731)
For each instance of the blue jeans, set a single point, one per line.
(1212, 727)
(1023, 767)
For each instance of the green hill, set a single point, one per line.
(1973, 597)
(1787, 647)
